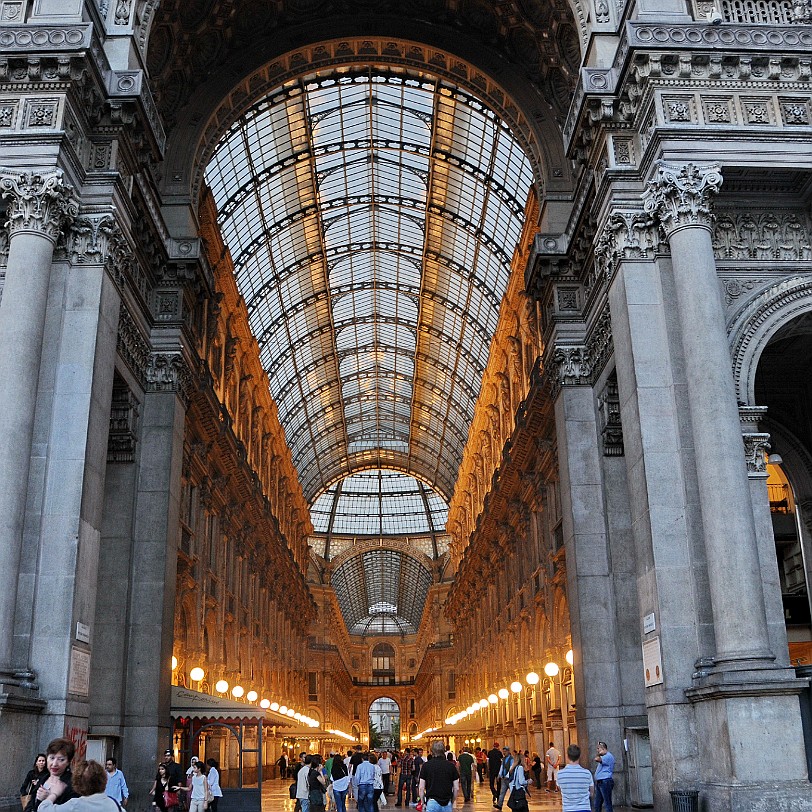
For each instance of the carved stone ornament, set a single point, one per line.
(802, 11)
(568, 366)
(38, 203)
(680, 196)
(168, 372)
(627, 234)
(131, 344)
(756, 446)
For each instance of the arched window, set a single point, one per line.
(383, 664)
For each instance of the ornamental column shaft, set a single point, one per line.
(680, 197)
(39, 205)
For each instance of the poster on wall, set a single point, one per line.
(652, 662)
(79, 682)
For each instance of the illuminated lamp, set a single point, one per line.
(197, 673)
(551, 669)
(503, 693)
(221, 687)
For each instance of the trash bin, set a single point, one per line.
(684, 800)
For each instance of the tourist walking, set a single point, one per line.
(385, 763)
(494, 767)
(536, 770)
(364, 780)
(504, 776)
(439, 782)
(466, 768)
(199, 792)
(213, 777)
(575, 783)
(165, 792)
(116, 783)
(405, 777)
(31, 781)
(340, 777)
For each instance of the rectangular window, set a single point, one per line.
(452, 685)
(312, 686)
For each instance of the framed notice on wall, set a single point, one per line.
(652, 662)
(79, 682)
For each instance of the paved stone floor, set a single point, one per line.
(275, 799)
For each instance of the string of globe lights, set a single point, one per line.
(552, 670)
(197, 674)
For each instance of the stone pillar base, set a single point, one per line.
(764, 796)
(752, 754)
(20, 709)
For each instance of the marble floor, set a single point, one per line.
(275, 799)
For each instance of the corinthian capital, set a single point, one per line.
(626, 234)
(680, 195)
(567, 366)
(38, 203)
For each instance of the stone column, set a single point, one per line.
(39, 205)
(756, 445)
(153, 563)
(600, 707)
(680, 198)
(661, 509)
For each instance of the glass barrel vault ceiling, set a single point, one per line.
(379, 503)
(372, 218)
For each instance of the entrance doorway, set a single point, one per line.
(384, 724)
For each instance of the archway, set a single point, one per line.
(782, 384)
(384, 724)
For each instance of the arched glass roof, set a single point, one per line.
(372, 217)
(379, 502)
(382, 592)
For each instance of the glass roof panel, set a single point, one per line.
(372, 217)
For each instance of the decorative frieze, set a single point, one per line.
(756, 234)
(132, 347)
(599, 343)
(38, 203)
(611, 426)
(756, 446)
(680, 196)
(168, 372)
(123, 418)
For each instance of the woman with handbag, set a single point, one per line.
(32, 780)
(517, 801)
(165, 796)
(316, 785)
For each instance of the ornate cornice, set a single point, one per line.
(38, 203)
(680, 196)
(168, 372)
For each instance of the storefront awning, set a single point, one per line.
(197, 705)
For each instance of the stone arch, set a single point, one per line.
(756, 321)
(254, 74)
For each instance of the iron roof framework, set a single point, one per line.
(372, 216)
(382, 592)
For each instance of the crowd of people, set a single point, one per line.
(89, 787)
(434, 782)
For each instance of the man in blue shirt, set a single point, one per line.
(364, 779)
(116, 785)
(604, 782)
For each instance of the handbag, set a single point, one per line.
(316, 798)
(517, 800)
(382, 800)
(170, 798)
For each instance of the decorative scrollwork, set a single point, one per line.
(168, 372)
(38, 203)
(680, 196)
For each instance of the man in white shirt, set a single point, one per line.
(302, 787)
(553, 759)
(575, 783)
(385, 763)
